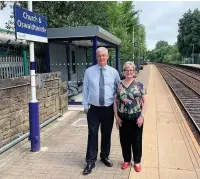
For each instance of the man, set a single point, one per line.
(98, 92)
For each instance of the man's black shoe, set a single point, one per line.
(88, 169)
(107, 162)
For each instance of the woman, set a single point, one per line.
(129, 107)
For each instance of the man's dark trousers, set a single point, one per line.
(97, 116)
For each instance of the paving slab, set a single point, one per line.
(177, 174)
(146, 173)
(169, 152)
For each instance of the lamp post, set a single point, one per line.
(133, 43)
(192, 53)
(139, 44)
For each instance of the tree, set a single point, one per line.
(188, 37)
(161, 43)
(165, 53)
(189, 33)
(142, 41)
(129, 13)
(151, 55)
(67, 13)
(121, 22)
(116, 17)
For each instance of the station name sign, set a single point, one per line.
(29, 25)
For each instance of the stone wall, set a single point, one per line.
(14, 97)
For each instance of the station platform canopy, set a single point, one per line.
(84, 36)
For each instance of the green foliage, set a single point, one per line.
(189, 32)
(121, 21)
(165, 53)
(188, 37)
(67, 13)
(142, 41)
(161, 44)
(118, 18)
(2, 5)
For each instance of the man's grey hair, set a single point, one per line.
(102, 49)
(127, 64)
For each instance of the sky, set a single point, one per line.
(5, 16)
(159, 17)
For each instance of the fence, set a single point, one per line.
(11, 66)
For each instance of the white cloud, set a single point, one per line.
(161, 19)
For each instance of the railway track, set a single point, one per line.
(186, 87)
(187, 72)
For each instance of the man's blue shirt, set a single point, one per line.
(91, 85)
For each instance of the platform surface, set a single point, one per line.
(169, 149)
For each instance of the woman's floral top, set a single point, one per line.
(129, 100)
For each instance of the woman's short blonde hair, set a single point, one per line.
(127, 64)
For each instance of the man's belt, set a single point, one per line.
(101, 106)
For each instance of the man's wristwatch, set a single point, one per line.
(142, 115)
